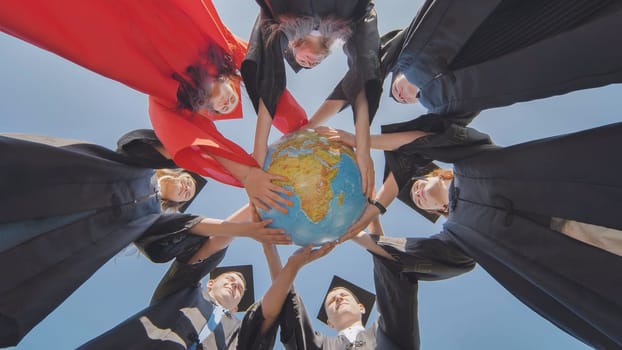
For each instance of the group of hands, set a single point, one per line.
(264, 194)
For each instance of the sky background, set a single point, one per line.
(44, 94)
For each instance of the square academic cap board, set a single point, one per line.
(200, 182)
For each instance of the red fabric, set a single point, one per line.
(189, 138)
(141, 43)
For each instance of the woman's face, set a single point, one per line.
(310, 51)
(223, 98)
(403, 90)
(177, 189)
(431, 193)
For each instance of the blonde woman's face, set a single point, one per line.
(177, 189)
(310, 52)
(223, 98)
(431, 193)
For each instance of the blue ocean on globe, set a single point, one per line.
(326, 185)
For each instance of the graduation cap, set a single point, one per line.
(199, 182)
(363, 296)
(246, 271)
(406, 198)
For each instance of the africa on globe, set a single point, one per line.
(326, 186)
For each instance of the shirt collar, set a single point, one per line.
(351, 332)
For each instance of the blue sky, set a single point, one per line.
(44, 94)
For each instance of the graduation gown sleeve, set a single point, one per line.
(181, 275)
(432, 258)
(263, 71)
(249, 337)
(193, 140)
(390, 44)
(396, 301)
(172, 321)
(297, 332)
(363, 52)
(452, 140)
(427, 259)
(169, 237)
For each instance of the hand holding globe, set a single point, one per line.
(325, 183)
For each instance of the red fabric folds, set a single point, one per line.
(141, 43)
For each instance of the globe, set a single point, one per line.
(326, 186)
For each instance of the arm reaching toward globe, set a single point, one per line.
(273, 300)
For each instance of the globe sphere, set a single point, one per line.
(325, 183)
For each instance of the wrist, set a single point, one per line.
(381, 208)
(244, 178)
(293, 266)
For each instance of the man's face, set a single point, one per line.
(227, 289)
(342, 308)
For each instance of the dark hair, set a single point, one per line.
(214, 64)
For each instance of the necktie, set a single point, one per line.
(212, 322)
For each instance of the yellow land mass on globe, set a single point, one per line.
(295, 141)
(314, 187)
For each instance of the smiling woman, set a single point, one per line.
(176, 188)
(430, 193)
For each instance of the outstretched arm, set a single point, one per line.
(273, 259)
(230, 229)
(383, 199)
(363, 143)
(273, 300)
(327, 109)
(385, 142)
(258, 185)
(262, 131)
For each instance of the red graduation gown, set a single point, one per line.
(141, 43)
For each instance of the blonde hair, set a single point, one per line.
(296, 28)
(445, 174)
(167, 204)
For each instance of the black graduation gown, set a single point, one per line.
(65, 211)
(181, 308)
(452, 140)
(501, 204)
(396, 285)
(263, 68)
(455, 51)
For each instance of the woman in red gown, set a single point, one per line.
(179, 53)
